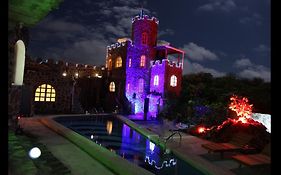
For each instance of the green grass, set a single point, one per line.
(21, 164)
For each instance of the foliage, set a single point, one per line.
(202, 89)
(88, 94)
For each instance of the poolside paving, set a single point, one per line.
(79, 162)
(189, 147)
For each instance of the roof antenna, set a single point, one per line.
(142, 13)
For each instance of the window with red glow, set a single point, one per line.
(141, 84)
(173, 81)
(142, 61)
(156, 80)
(144, 38)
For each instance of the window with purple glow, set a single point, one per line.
(128, 86)
(112, 87)
(156, 80)
(173, 81)
(141, 84)
(130, 62)
(142, 61)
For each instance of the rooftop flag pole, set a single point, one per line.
(142, 13)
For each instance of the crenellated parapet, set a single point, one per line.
(167, 62)
(61, 68)
(145, 17)
(117, 45)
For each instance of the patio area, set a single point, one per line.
(188, 148)
(191, 150)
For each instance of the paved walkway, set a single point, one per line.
(189, 147)
(79, 162)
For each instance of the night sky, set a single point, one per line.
(218, 36)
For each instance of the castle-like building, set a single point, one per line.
(141, 71)
(140, 74)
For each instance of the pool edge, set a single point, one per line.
(99, 153)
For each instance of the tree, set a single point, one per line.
(88, 93)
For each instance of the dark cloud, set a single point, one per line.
(218, 5)
(254, 18)
(166, 32)
(198, 53)
(250, 70)
(244, 62)
(262, 48)
(79, 31)
(199, 68)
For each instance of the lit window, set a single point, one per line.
(173, 81)
(156, 80)
(112, 87)
(128, 86)
(45, 92)
(130, 62)
(109, 64)
(142, 61)
(144, 38)
(76, 75)
(118, 62)
(141, 84)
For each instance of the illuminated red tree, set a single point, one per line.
(242, 108)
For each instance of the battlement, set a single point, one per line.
(69, 65)
(117, 45)
(165, 61)
(145, 17)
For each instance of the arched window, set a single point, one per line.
(173, 81)
(130, 62)
(109, 64)
(118, 62)
(45, 92)
(144, 38)
(156, 80)
(142, 61)
(140, 85)
(112, 87)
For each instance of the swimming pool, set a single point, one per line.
(111, 133)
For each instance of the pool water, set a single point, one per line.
(111, 133)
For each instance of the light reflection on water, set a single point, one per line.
(120, 139)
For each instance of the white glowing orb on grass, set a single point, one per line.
(265, 119)
(34, 153)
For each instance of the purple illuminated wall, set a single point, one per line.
(158, 68)
(143, 43)
(141, 24)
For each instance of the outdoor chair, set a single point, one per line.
(255, 159)
(237, 143)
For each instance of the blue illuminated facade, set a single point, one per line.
(145, 78)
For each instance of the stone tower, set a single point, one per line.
(140, 52)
